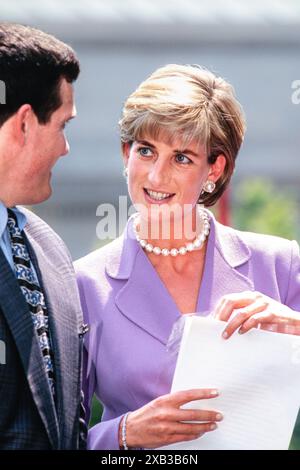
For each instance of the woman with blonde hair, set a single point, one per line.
(181, 131)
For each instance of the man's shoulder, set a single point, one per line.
(97, 259)
(32, 218)
(36, 225)
(38, 230)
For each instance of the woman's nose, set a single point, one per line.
(159, 174)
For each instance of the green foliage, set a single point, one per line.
(295, 441)
(260, 207)
(96, 412)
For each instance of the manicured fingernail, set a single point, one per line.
(225, 334)
(213, 426)
(241, 331)
(219, 417)
(214, 392)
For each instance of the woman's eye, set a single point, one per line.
(145, 151)
(183, 159)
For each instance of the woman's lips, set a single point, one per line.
(151, 200)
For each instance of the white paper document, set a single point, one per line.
(257, 375)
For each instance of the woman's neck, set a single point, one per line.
(170, 232)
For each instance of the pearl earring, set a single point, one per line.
(125, 173)
(209, 186)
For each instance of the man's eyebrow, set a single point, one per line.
(67, 119)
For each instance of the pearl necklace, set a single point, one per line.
(197, 243)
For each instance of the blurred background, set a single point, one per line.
(253, 44)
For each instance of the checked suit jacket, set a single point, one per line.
(29, 418)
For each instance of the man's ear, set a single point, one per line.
(23, 121)
(217, 169)
(125, 152)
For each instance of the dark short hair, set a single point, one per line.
(32, 65)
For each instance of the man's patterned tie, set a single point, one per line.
(33, 294)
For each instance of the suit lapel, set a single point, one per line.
(127, 261)
(64, 330)
(18, 317)
(144, 299)
(146, 302)
(226, 252)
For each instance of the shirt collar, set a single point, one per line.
(21, 218)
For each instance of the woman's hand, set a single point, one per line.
(248, 309)
(161, 422)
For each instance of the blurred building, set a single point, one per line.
(254, 44)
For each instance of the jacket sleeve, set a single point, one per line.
(104, 435)
(293, 292)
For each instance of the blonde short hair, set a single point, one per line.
(191, 102)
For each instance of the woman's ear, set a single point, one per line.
(217, 169)
(125, 151)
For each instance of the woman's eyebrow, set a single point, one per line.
(188, 151)
(145, 142)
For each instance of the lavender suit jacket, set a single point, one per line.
(131, 313)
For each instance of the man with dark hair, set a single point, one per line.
(40, 315)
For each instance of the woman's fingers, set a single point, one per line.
(193, 428)
(246, 318)
(230, 302)
(184, 437)
(251, 309)
(281, 328)
(162, 421)
(198, 415)
(178, 399)
(170, 406)
(258, 320)
(260, 315)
